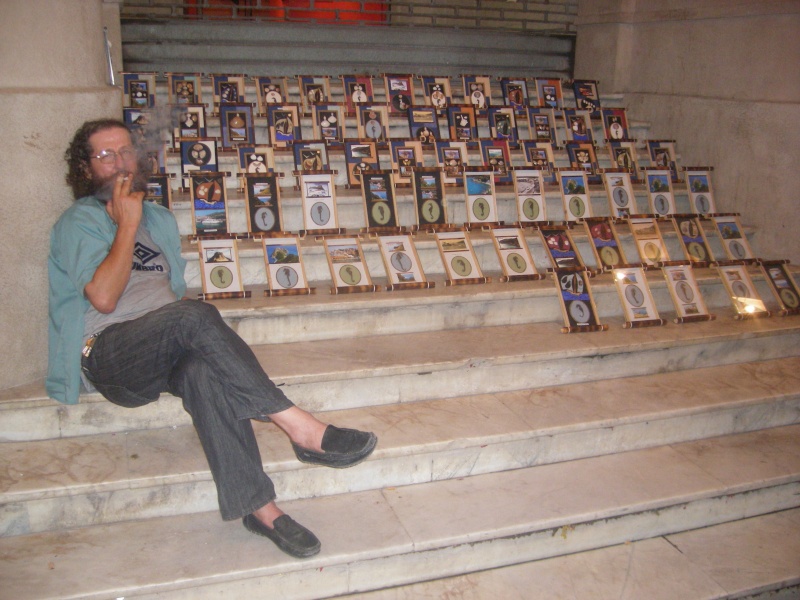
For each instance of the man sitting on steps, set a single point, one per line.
(119, 322)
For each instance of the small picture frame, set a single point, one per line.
(700, 189)
(619, 189)
(373, 122)
(423, 123)
(360, 157)
(514, 255)
(318, 193)
(159, 190)
(313, 90)
(549, 93)
(624, 155)
(399, 93)
(286, 274)
(693, 240)
(236, 124)
(734, 240)
(228, 89)
(480, 196)
(190, 123)
(783, 286)
(198, 155)
(615, 124)
(429, 198)
(659, 191)
(209, 204)
(578, 124)
(561, 249)
(586, 94)
(256, 159)
(582, 156)
(437, 92)
(406, 156)
(574, 187)
(605, 243)
(496, 154)
(219, 261)
(139, 90)
(347, 265)
(328, 121)
(453, 158)
(649, 241)
(515, 93)
(477, 91)
(357, 90)
(530, 196)
(540, 155)
(270, 90)
(263, 200)
(459, 259)
(184, 88)
(689, 304)
(503, 123)
(462, 123)
(311, 155)
(637, 300)
(663, 156)
(542, 124)
(380, 204)
(402, 264)
(284, 124)
(577, 301)
(745, 298)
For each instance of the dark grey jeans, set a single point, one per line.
(185, 348)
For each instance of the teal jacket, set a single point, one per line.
(79, 242)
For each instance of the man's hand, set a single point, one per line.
(125, 206)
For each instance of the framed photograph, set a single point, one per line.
(347, 265)
(561, 249)
(619, 189)
(685, 293)
(529, 193)
(462, 123)
(453, 158)
(399, 93)
(328, 120)
(228, 89)
(429, 197)
(198, 155)
(209, 204)
(662, 156)
(734, 240)
(783, 286)
(496, 154)
(700, 189)
(745, 298)
(270, 90)
(459, 259)
(373, 122)
(577, 301)
(361, 156)
(481, 200)
(582, 157)
(649, 242)
(406, 156)
(318, 193)
(578, 124)
(540, 156)
(313, 90)
(357, 90)
(263, 199)
(515, 93)
(286, 274)
(549, 93)
(514, 255)
(184, 88)
(624, 155)
(637, 300)
(659, 191)
(437, 91)
(503, 123)
(159, 190)
(402, 264)
(423, 123)
(236, 123)
(255, 159)
(605, 243)
(693, 240)
(311, 155)
(139, 90)
(574, 188)
(284, 124)
(380, 205)
(190, 123)
(542, 124)
(615, 124)
(219, 261)
(586, 95)
(477, 91)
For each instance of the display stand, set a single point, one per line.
(313, 90)
(452, 158)
(328, 122)
(236, 125)
(286, 275)
(403, 267)
(184, 88)
(284, 124)
(263, 201)
(605, 243)
(347, 265)
(270, 90)
(636, 298)
(577, 301)
(209, 205)
(529, 193)
(574, 188)
(693, 240)
(783, 285)
(318, 193)
(373, 122)
(549, 93)
(615, 124)
(477, 91)
(399, 93)
(739, 285)
(437, 91)
(734, 241)
(227, 88)
(514, 256)
(700, 190)
(380, 205)
(458, 256)
(357, 91)
(503, 123)
(360, 156)
(430, 200)
(685, 293)
(462, 123)
(406, 156)
(619, 189)
(219, 260)
(659, 191)
(649, 242)
(480, 198)
(561, 248)
(423, 123)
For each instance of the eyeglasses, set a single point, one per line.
(109, 157)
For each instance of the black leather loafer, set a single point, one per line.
(342, 448)
(288, 535)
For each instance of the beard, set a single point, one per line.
(103, 187)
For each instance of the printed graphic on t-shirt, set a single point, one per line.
(142, 255)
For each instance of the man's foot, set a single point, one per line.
(288, 535)
(341, 448)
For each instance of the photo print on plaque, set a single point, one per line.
(701, 192)
(685, 293)
(574, 188)
(270, 90)
(255, 159)
(481, 200)
(549, 93)
(311, 155)
(222, 278)
(496, 154)
(462, 123)
(659, 191)
(209, 203)
(514, 255)
(284, 124)
(746, 300)
(328, 120)
(734, 241)
(615, 124)
(477, 91)
(637, 300)
(406, 156)
(227, 88)
(783, 286)
(184, 88)
(361, 156)
(577, 302)
(159, 190)
(515, 93)
(262, 195)
(586, 95)
(693, 240)
(624, 155)
(402, 264)
(373, 123)
(437, 91)
(198, 155)
(619, 189)
(139, 90)
(380, 206)
(357, 90)
(399, 93)
(540, 156)
(453, 158)
(578, 125)
(236, 124)
(318, 193)
(529, 192)
(649, 242)
(605, 243)
(313, 90)
(561, 250)
(347, 265)
(458, 256)
(286, 274)
(423, 123)
(503, 123)
(429, 198)
(542, 124)
(662, 156)
(582, 156)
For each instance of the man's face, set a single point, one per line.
(104, 172)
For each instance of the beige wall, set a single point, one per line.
(52, 77)
(721, 78)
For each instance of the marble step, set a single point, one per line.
(755, 558)
(385, 369)
(64, 483)
(400, 535)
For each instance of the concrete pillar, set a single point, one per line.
(53, 76)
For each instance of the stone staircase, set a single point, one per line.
(514, 461)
